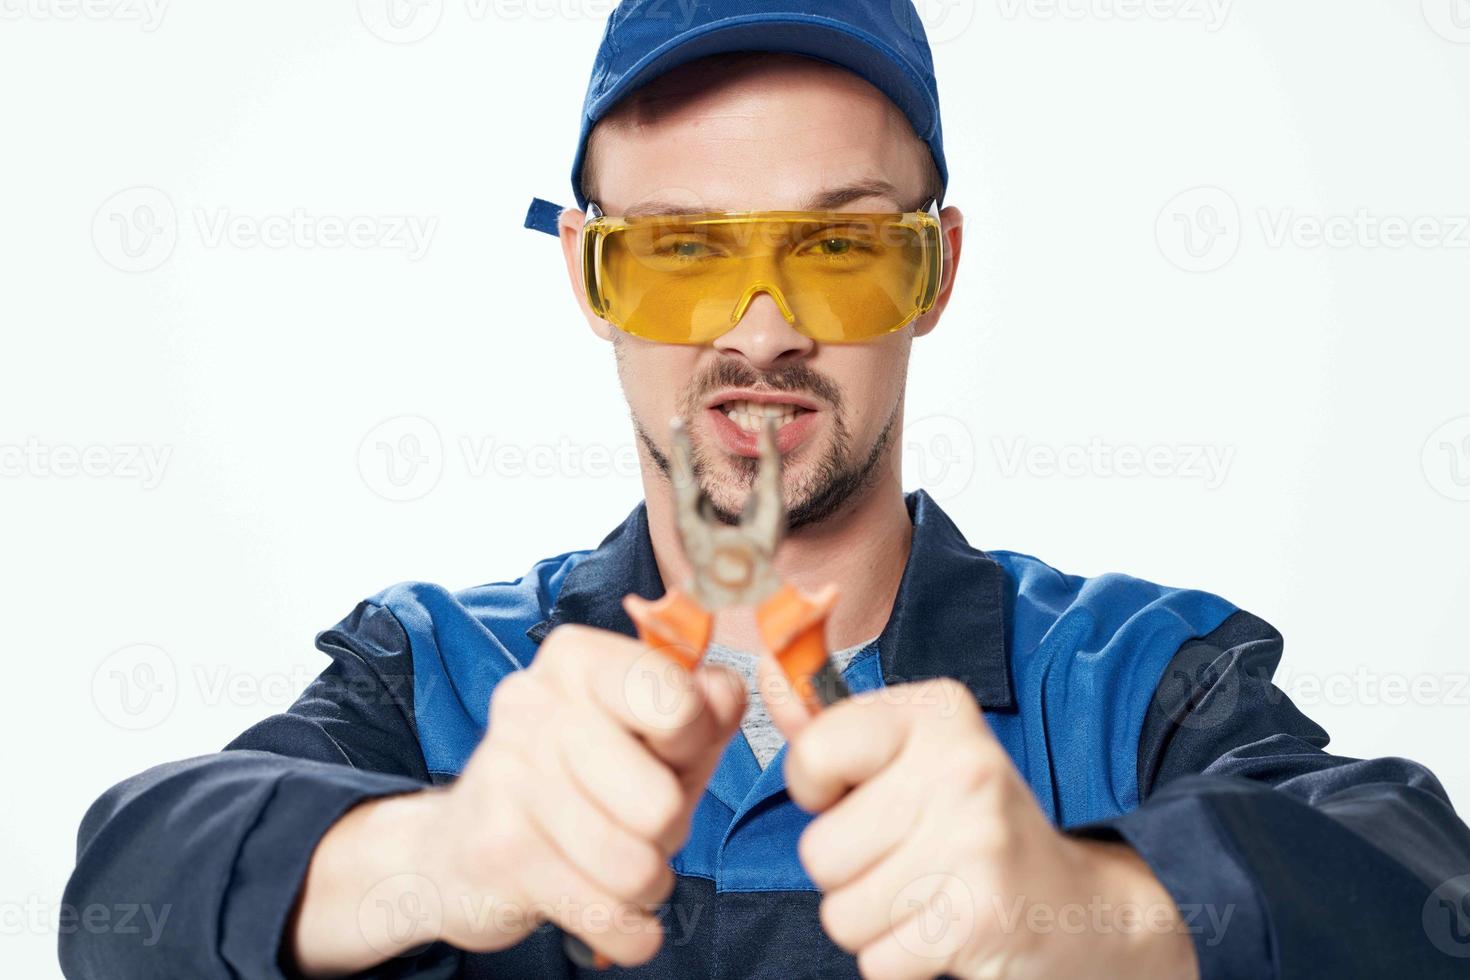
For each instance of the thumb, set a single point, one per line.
(724, 703)
(724, 697)
(785, 706)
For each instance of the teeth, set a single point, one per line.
(751, 415)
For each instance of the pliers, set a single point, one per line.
(732, 566)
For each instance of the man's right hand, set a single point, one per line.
(568, 811)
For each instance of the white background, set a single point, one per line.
(1096, 307)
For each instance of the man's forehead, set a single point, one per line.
(874, 192)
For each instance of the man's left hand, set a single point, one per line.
(935, 858)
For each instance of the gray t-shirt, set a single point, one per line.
(764, 738)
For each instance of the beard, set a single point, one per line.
(837, 477)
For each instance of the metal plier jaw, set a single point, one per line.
(733, 566)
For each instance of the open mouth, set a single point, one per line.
(737, 418)
(750, 416)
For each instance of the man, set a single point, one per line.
(1039, 775)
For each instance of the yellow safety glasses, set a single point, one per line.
(837, 277)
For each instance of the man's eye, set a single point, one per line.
(685, 249)
(834, 246)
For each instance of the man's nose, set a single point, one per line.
(764, 336)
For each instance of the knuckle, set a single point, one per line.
(502, 844)
(513, 690)
(648, 875)
(982, 834)
(565, 642)
(972, 762)
(835, 922)
(812, 851)
(662, 812)
(803, 756)
(520, 705)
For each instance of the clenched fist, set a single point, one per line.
(569, 810)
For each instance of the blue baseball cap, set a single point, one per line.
(883, 41)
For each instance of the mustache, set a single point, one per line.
(731, 373)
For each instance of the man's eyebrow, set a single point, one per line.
(827, 200)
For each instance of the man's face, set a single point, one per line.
(780, 135)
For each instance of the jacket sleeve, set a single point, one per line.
(1287, 861)
(212, 851)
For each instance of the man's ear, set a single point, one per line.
(952, 227)
(569, 228)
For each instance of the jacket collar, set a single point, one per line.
(948, 618)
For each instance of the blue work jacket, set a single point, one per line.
(1134, 711)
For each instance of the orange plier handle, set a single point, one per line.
(793, 626)
(675, 625)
